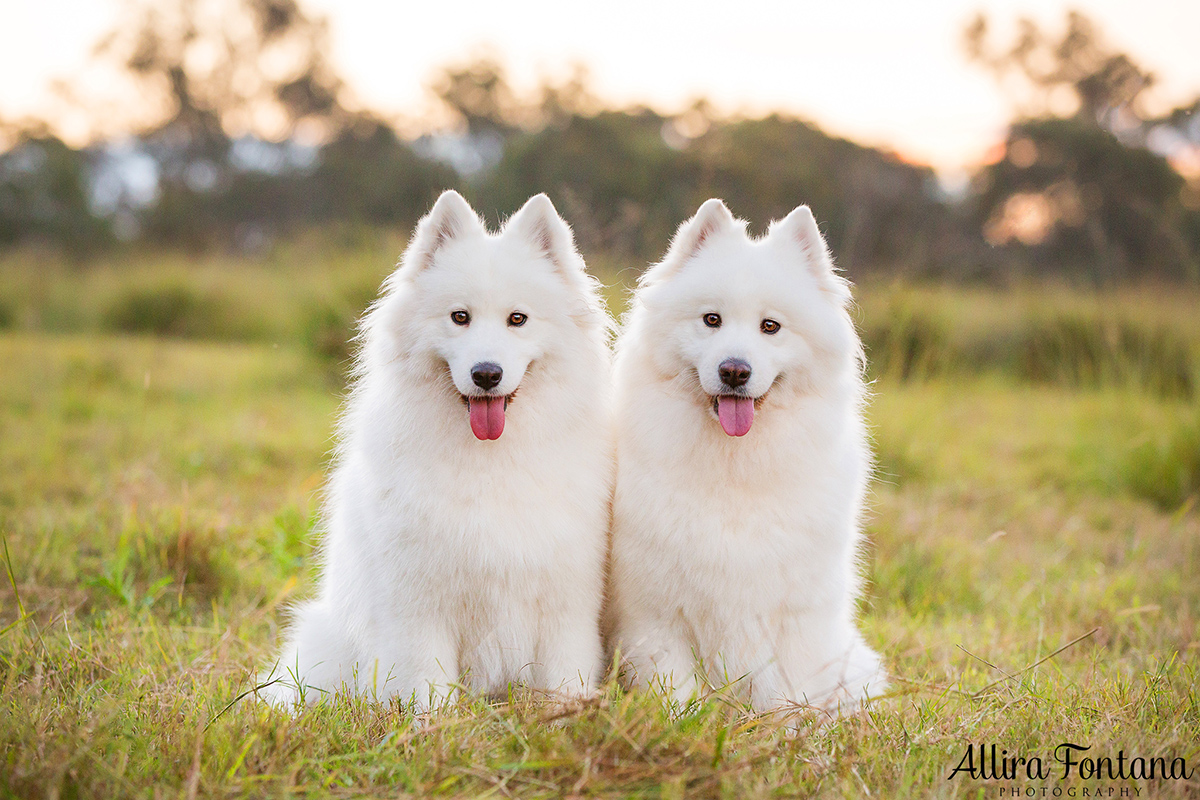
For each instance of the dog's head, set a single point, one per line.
(487, 306)
(747, 315)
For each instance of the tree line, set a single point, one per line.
(243, 152)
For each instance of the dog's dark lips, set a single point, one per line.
(508, 398)
(758, 401)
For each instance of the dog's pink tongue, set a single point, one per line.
(487, 417)
(736, 414)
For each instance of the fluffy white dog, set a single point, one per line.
(466, 519)
(742, 465)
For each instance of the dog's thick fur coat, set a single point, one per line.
(465, 523)
(742, 467)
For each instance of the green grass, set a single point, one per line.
(157, 503)
(1165, 464)
(1042, 335)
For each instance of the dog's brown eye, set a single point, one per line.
(516, 319)
(460, 317)
(770, 326)
(712, 320)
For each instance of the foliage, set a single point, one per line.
(906, 343)
(44, 197)
(626, 179)
(1078, 189)
(611, 175)
(218, 64)
(330, 328)
(368, 175)
(176, 309)
(1165, 466)
(252, 137)
(479, 94)
(224, 177)
(311, 291)
(1077, 351)
(1068, 193)
(1102, 80)
(1089, 345)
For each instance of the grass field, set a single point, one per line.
(157, 504)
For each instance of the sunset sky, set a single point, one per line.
(882, 73)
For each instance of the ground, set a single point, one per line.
(1033, 578)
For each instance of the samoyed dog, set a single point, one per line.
(742, 465)
(466, 519)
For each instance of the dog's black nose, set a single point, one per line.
(487, 374)
(734, 372)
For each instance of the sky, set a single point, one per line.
(883, 73)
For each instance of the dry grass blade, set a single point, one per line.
(1037, 663)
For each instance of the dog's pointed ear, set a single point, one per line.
(539, 224)
(450, 218)
(711, 218)
(799, 229)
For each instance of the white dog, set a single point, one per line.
(466, 521)
(742, 465)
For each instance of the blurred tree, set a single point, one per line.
(258, 70)
(479, 93)
(626, 179)
(215, 66)
(1103, 83)
(367, 174)
(255, 135)
(1074, 198)
(876, 211)
(256, 66)
(560, 102)
(44, 198)
(1077, 188)
(611, 175)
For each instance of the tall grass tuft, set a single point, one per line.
(310, 293)
(177, 310)
(328, 326)
(907, 343)
(1166, 469)
(327, 332)
(1071, 349)
(1078, 351)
